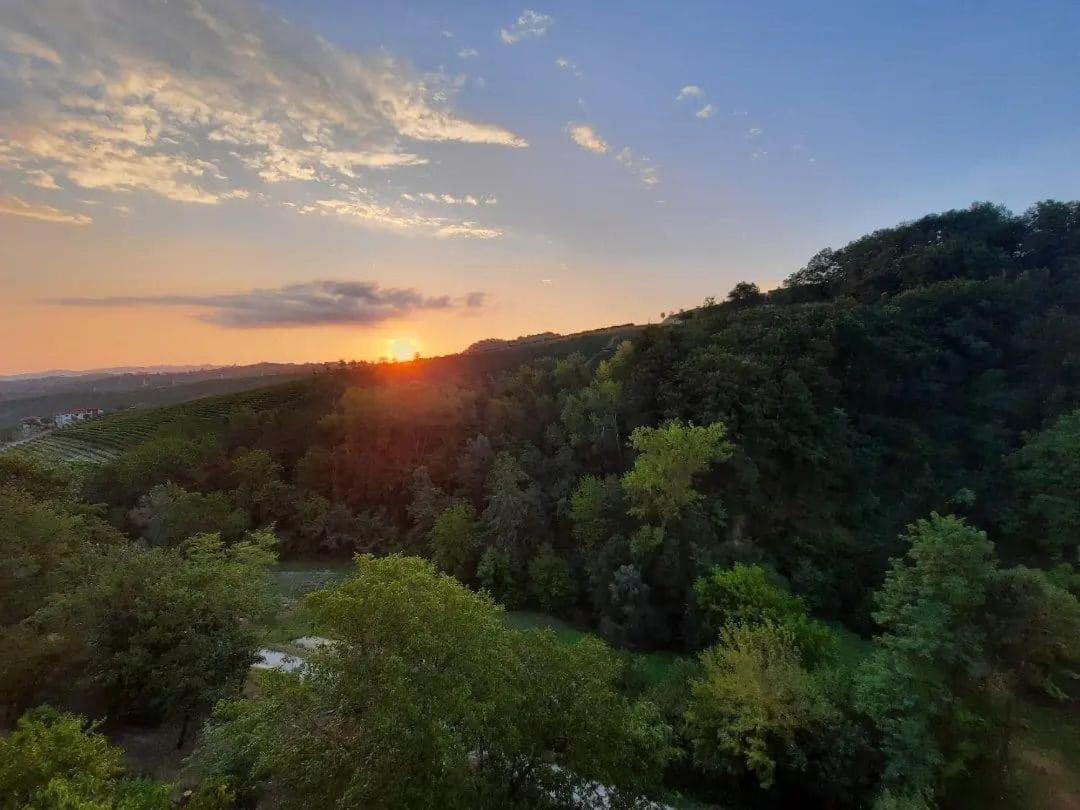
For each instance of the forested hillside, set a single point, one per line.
(826, 536)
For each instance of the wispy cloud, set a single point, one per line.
(20, 44)
(689, 91)
(40, 179)
(203, 102)
(706, 112)
(754, 132)
(18, 207)
(468, 53)
(565, 65)
(585, 137)
(309, 304)
(641, 166)
(362, 210)
(530, 25)
(449, 199)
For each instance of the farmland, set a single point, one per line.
(100, 440)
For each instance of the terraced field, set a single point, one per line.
(100, 440)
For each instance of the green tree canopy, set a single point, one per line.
(170, 631)
(53, 760)
(426, 698)
(660, 486)
(746, 595)
(455, 541)
(1047, 475)
(919, 683)
(753, 701)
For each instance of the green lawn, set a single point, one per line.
(1047, 754)
(292, 581)
(652, 668)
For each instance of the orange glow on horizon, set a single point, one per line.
(403, 349)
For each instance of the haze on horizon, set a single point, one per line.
(190, 181)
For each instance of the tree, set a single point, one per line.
(455, 541)
(921, 683)
(745, 294)
(171, 631)
(660, 486)
(426, 698)
(752, 703)
(745, 595)
(41, 481)
(168, 514)
(56, 760)
(496, 574)
(46, 550)
(551, 583)
(259, 488)
(1033, 632)
(1047, 475)
(596, 506)
(822, 269)
(156, 461)
(474, 464)
(592, 414)
(514, 515)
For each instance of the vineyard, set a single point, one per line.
(100, 440)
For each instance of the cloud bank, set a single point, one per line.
(205, 101)
(315, 303)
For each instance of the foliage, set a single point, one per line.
(595, 509)
(1034, 632)
(40, 480)
(171, 631)
(746, 595)
(551, 582)
(157, 461)
(752, 703)
(660, 486)
(926, 368)
(55, 760)
(169, 514)
(455, 541)
(919, 685)
(1047, 475)
(427, 698)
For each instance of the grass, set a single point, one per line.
(534, 620)
(291, 582)
(1047, 758)
(652, 669)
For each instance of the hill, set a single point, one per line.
(827, 534)
(42, 396)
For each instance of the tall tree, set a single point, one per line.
(426, 698)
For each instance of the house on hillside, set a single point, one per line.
(78, 415)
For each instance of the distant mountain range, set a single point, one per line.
(91, 372)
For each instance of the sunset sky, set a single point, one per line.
(201, 181)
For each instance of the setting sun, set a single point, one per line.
(402, 349)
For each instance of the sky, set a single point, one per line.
(224, 181)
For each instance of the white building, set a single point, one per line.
(78, 415)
